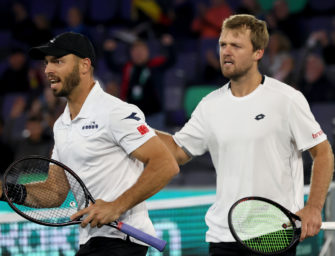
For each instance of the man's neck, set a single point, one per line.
(78, 97)
(246, 84)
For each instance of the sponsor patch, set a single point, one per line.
(317, 134)
(143, 129)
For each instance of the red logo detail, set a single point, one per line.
(315, 135)
(143, 129)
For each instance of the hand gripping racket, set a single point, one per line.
(47, 192)
(264, 226)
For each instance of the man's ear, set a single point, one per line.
(86, 65)
(259, 54)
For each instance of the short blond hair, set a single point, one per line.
(259, 34)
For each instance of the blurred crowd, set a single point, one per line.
(149, 52)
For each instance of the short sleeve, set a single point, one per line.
(305, 130)
(192, 137)
(129, 128)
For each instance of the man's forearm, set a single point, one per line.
(322, 174)
(160, 168)
(149, 183)
(43, 195)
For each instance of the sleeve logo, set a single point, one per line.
(315, 135)
(142, 129)
(133, 116)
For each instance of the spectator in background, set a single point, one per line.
(209, 20)
(250, 7)
(182, 15)
(212, 69)
(15, 77)
(290, 24)
(6, 152)
(33, 141)
(150, 12)
(142, 76)
(325, 43)
(277, 60)
(42, 31)
(51, 106)
(75, 21)
(314, 83)
(21, 26)
(15, 122)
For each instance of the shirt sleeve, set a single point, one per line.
(305, 130)
(129, 128)
(192, 137)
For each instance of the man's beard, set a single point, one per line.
(71, 81)
(235, 75)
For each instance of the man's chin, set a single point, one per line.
(59, 93)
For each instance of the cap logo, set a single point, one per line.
(52, 40)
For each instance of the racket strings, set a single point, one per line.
(43, 181)
(262, 226)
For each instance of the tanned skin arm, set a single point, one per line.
(160, 168)
(178, 153)
(322, 174)
(49, 193)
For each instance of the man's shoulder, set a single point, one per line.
(277, 87)
(216, 94)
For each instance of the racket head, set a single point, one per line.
(37, 169)
(263, 226)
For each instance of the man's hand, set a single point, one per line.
(98, 214)
(311, 221)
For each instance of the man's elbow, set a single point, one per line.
(172, 168)
(175, 169)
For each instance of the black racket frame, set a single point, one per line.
(291, 216)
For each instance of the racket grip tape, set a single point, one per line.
(142, 236)
(16, 193)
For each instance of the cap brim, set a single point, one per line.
(39, 53)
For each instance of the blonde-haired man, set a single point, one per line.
(255, 128)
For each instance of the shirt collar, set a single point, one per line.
(86, 108)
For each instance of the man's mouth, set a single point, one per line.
(228, 62)
(54, 82)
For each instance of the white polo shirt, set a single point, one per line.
(96, 145)
(255, 143)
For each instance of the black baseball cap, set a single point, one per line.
(63, 44)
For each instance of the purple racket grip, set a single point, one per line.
(142, 236)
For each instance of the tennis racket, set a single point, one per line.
(52, 192)
(264, 226)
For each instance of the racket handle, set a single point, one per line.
(142, 236)
(328, 226)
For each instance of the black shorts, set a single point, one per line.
(105, 246)
(235, 249)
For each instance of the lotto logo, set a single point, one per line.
(143, 129)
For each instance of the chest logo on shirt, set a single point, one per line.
(259, 117)
(133, 116)
(91, 125)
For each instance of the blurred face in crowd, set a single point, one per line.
(63, 74)
(35, 129)
(280, 9)
(237, 56)
(17, 60)
(314, 68)
(139, 53)
(74, 18)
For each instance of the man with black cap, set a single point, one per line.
(107, 142)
